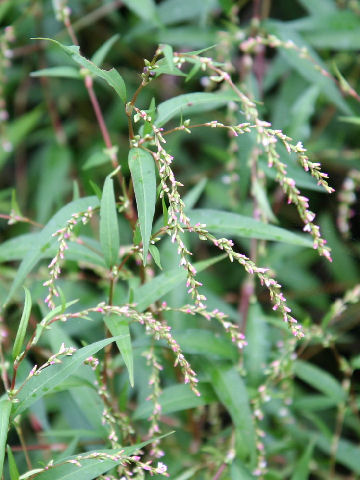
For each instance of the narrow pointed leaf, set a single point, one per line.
(5, 409)
(233, 224)
(101, 53)
(111, 77)
(192, 103)
(109, 229)
(13, 470)
(119, 326)
(177, 398)
(232, 393)
(142, 170)
(20, 335)
(45, 239)
(90, 468)
(320, 380)
(38, 386)
(61, 72)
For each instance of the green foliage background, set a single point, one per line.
(282, 408)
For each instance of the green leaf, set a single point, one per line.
(109, 229)
(96, 159)
(320, 7)
(18, 130)
(173, 11)
(304, 67)
(302, 467)
(119, 326)
(101, 53)
(111, 77)
(320, 380)
(16, 248)
(154, 251)
(39, 385)
(45, 239)
(13, 470)
(177, 398)
(233, 224)
(61, 72)
(151, 291)
(202, 342)
(143, 175)
(353, 120)
(231, 391)
(257, 351)
(238, 471)
(5, 409)
(192, 103)
(90, 468)
(194, 194)
(20, 334)
(145, 9)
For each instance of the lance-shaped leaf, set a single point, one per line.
(45, 238)
(119, 326)
(20, 335)
(112, 77)
(232, 393)
(109, 229)
(39, 385)
(5, 409)
(88, 465)
(192, 103)
(233, 224)
(13, 470)
(101, 53)
(142, 170)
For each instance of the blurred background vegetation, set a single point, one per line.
(52, 150)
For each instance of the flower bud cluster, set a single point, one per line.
(274, 288)
(251, 44)
(268, 139)
(177, 219)
(63, 236)
(158, 329)
(237, 337)
(347, 197)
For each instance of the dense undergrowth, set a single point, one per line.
(190, 272)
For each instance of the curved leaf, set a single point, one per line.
(142, 170)
(177, 398)
(112, 77)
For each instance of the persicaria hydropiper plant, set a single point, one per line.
(156, 338)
